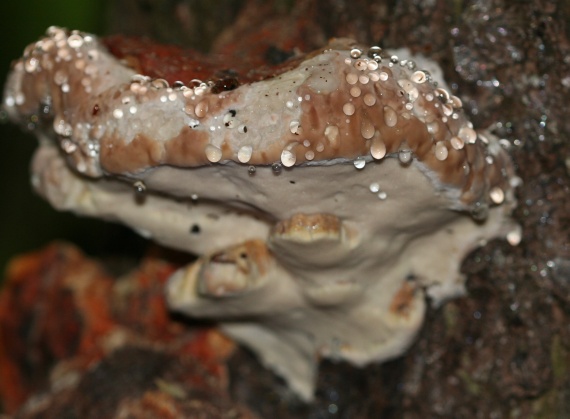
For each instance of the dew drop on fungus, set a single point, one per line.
(359, 163)
(419, 77)
(201, 109)
(378, 149)
(348, 109)
(457, 143)
(390, 116)
(355, 53)
(367, 129)
(497, 195)
(294, 127)
(369, 99)
(468, 135)
(139, 187)
(276, 168)
(514, 237)
(251, 170)
(441, 151)
(375, 187)
(374, 51)
(355, 91)
(244, 153)
(351, 78)
(405, 156)
(213, 153)
(288, 158)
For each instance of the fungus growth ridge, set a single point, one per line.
(326, 197)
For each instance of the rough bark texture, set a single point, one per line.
(501, 351)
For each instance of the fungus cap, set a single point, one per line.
(326, 199)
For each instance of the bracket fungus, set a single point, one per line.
(327, 199)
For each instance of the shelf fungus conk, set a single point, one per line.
(327, 199)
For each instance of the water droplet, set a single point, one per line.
(419, 77)
(68, 146)
(201, 109)
(276, 168)
(351, 78)
(31, 64)
(355, 53)
(497, 195)
(369, 99)
(378, 149)
(374, 51)
(251, 170)
(390, 116)
(367, 129)
(359, 163)
(457, 143)
(456, 102)
(447, 109)
(294, 127)
(441, 151)
(375, 187)
(361, 65)
(9, 101)
(405, 156)
(75, 41)
(355, 91)
(44, 108)
(514, 237)
(382, 195)
(348, 109)
(244, 153)
(442, 94)
(139, 187)
(213, 153)
(62, 128)
(288, 158)
(229, 119)
(159, 84)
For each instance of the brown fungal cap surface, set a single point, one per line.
(344, 102)
(327, 197)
